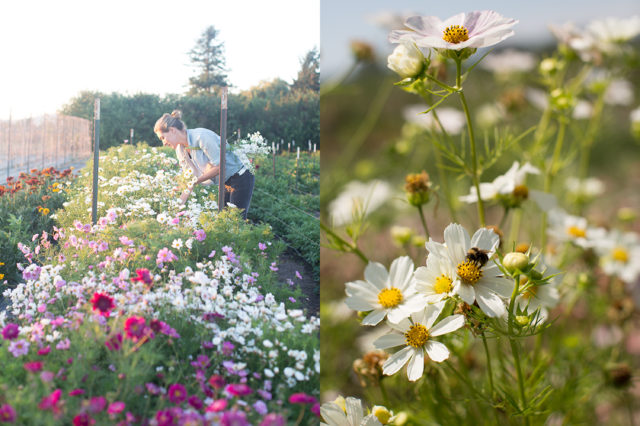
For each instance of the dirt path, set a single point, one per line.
(288, 264)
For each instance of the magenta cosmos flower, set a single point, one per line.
(474, 29)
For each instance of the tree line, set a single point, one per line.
(277, 109)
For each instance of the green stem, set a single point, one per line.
(514, 347)
(503, 221)
(515, 228)
(444, 180)
(472, 142)
(489, 369)
(328, 88)
(351, 246)
(424, 222)
(468, 383)
(550, 173)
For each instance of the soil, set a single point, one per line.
(288, 264)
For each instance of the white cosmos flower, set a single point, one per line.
(585, 188)
(619, 92)
(565, 227)
(358, 197)
(474, 29)
(416, 337)
(438, 280)
(511, 183)
(452, 119)
(391, 294)
(346, 412)
(614, 30)
(509, 61)
(406, 60)
(473, 281)
(618, 253)
(544, 296)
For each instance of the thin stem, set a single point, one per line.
(424, 222)
(550, 172)
(515, 227)
(472, 142)
(351, 246)
(444, 180)
(591, 135)
(514, 346)
(489, 369)
(503, 221)
(468, 383)
(328, 88)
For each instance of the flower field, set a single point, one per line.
(158, 314)
(481, 226)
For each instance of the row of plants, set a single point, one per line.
(289, 201)
(26, 205)
(159, 313)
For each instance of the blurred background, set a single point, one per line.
(370, 133)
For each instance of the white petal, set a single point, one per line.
(376, 274)
(355, 411)
(447, 325)
(466, 292)
(389, 341)
(361, 287)
(431, 313)
(359, 304)
(397, 361)
(396, 315)
(401, 272)
(333, 414)
(416, 365)
(500, 285)
(485, 239)
(437, 351)
(457, 240)
(490, 303)
(374, 317)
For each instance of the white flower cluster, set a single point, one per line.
(250, 149)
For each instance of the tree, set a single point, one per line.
(208, 57)
(309, 74)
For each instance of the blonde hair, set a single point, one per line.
(170, 120)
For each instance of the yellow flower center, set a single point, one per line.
(469, 271)
(620, 254)
(577, 232)
(390, 297)
(442, 284)
(417, 336)
(530, 292)
(455, 34)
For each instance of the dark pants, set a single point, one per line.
(242, 190)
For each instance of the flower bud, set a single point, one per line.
(523, 320)
(382, 414)
(548, 66)
(627, 214)
(418, 240)
(418, 188)
(515, 261)
(401, 234)
(562, 100)
(406, 60)
(362, 51)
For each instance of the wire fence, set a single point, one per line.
(38, 142)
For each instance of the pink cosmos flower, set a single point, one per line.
(19, 347)
(47, 376)
(273, 419)
(315, 409)
(262, 246)
(134, 327)
(165, 418)
(177, 393)
(238, 389)
(302, 398)
(50, 402)
(200, 234)
(165, 255)
(44, 351)
(217, 382)
(7, 414)
(103, 303)
(97, 404)
(217, 406)
(114, 343)
(195, 402)
(33, 366)
(10, 331)
(116, 407)
(83, 419)
(143, 275)
(227, 348)
(76, 392)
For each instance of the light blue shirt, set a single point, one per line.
(207, 144)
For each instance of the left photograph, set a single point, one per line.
(159, 214)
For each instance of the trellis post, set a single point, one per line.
(223, 147)
(96, 157)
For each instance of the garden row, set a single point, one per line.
(289, 201)
(159, 312)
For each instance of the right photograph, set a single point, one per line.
(480, 223)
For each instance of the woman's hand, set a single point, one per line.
(185, 195)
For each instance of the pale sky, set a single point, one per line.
(52, 50)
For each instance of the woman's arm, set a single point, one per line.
(211, 172)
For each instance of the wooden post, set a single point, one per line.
(131, 136)
(223, 147)
(273, 151)
(96, 158)
(9, 148)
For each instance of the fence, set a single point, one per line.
(39, 142)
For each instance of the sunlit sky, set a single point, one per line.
(52, 50)
(343, 21)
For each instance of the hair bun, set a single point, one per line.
(177, 114)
